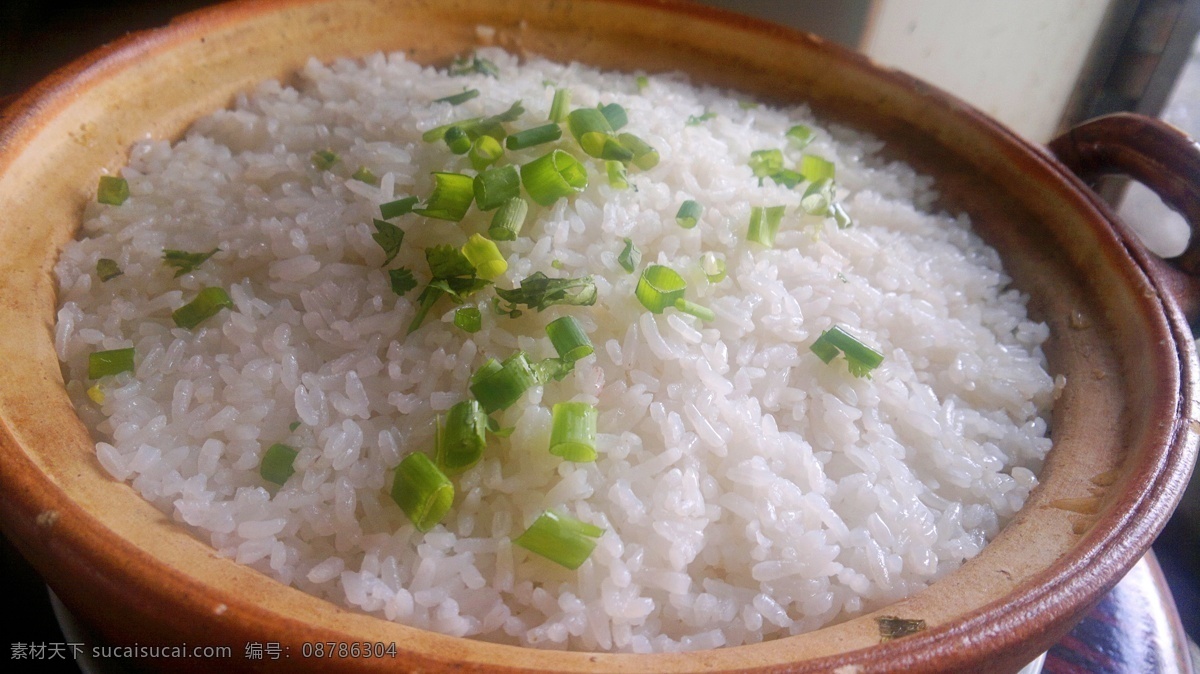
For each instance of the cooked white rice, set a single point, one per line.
(747, 489)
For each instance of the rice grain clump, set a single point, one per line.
(745, 488)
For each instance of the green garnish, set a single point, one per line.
(815, 168)
(553, 176)
(459, 442)
(277, 463)
(323, 160)
(208, 303)
(615, 114)
(459, 98)
(185, 262)
(389, 237)
(642, 82)
(573, 431)
(693, 309)
(476, 127)
(765, 163)
(713, 267)
(618, 176)
(563, 540)
(293, 426)
(840, 216)
(630, 256)
(800, 136)
(107, 269)
(764, 224)
(689, 214)
(644, 156)
(364, 175)
(535, 136)
(591, 130)
(422, 491)
(401, 280)
(105, 363)
(484, 152)
(787, 177)
(495, 186)
(394, 209)
(452, 275)
(508, 220)
(860, 358)
(457, 140)
(659, 287)
(451, 198)
(468, 319)
(818, 198)
(892, 627)
(558, 107)
(538, 291)
(485, 257)
(747, 105)
(112, 190)
(697, 120)
(473, 65)
(498, 385)
(568, 338)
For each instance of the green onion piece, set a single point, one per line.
(689, 214)
(538, 291)
(569, 340)
(590, 128)
(484, 152)
(495, 186)
(630, 257)
(105, 363)
(185, 262)
(558, 107)
(457, 99)
(323, 160)
(492, 366)
(613, 150)
(644, 156)
(364, 175)
(800, 136)
(508, 220)
(277, 463)
(485, 256)
(439, 132)
(697, 120)
(494, 428)
(659, 287)
(764, 224)
(693, 309)
(766, 163)
(422, 491)
(389, 237)
(208, 303)
(394, 209)
(553, 176)
(112, 190)
(615, 114)
(535, 136)
(457, 140)
(787, 177)
(860, 358)
(642, 82)
(573, 431)
(107, 269)
(841, 217)
(473, 65)
(618, 177)
(563, 540)
(461, 440)
(293, 426)
(818, 198)
(713, 267)
(401, 280)
(468, 319)
(815, 168)
(451, 197)
(556, 264)
(499, 389)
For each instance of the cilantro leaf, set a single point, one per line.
(389, 237)
(538, 291)
(185, 262)
(402, 280)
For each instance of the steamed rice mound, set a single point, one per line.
(747, 489)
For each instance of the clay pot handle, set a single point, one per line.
(1162, 158)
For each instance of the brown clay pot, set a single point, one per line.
(1124, 430)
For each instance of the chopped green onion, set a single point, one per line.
(573, 431)
(468, 319)
(460, 98)
(105, 363)
(498, 389)
(644, 156)
(618, 177)
(569, 340)
(323, 160)
(713, 267)
(563, 540)
(615, 114)
(107, 269)
(630, 257)
(642, 82)
(293, 426)
(112, 190)
(697, 120)
(495, 186)
(747, 105)
(451, 197)
(277, 463)
(787, 177)
(538, 291)
(364, 175)
(422, 491)
(484, 152)
(389, 237)
(860, 358)
(485, 256)
(556, 264)
(818, 197)
(693, 309)
(841, 217)
(208, 303)
(764, 224)
(508, 220)
(689, 214)
(558, 107)
(765, 163)
(185, 262)
(473, 65)
(800, 136)
(492, 366)
(401, 280)
(659, 287)
(553, 176)
(815, 168)
(590, 128)
(461, 440)
(394, 209)
(439, 132)
(535, 136)
(457, 140)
